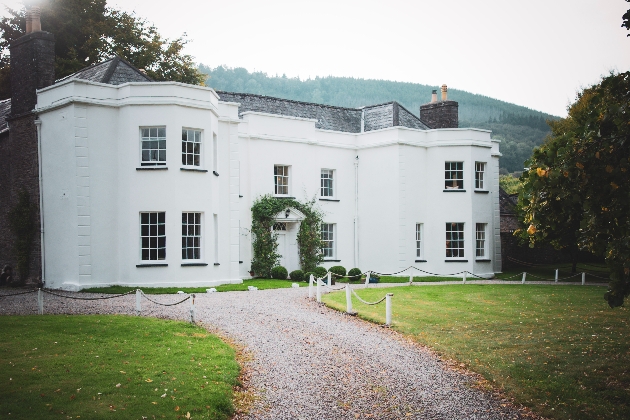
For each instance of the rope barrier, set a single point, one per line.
(164, 304)
(511, 277)
(78, 298)
(368, 303)
(17, 294)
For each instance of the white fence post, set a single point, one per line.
(40, 302)
(329, 279)
(388, 309)
(319, 290)
(348, 299)
(192, 309)
(556, 280)
(138, 306)
(367, 278)
(464, 278)
(583, 278)
(310, 287)
(524, 276)
(411, 279)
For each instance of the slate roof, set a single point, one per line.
(5, 110)
(328, 117)
(114, 71)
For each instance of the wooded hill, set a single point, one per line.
(520, 129)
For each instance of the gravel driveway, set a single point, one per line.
(311, 362)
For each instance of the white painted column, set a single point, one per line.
(464, 277)
(367, 278)
(388, 309)
(310, 287)
(138, 298)
(329, 279)
(319, 290)
(348, 299)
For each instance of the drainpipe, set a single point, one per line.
(356, 209)
(38, 124)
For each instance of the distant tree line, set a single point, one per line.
(519, 128)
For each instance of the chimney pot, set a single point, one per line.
(444, 93)
(33, 21)
(434, 96)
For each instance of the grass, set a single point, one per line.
(595, 273)
(90, 366)
(559, 350)
(262, 284)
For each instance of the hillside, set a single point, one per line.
(519, 128)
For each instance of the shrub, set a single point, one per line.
(307, 275)
(279, 272)
(297, 275)
(338, 270)
(320, 272)
(356, 273)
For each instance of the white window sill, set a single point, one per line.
(483, 260)
(192, 169)
(482, 191)
(192, 263)
(454, 190)
(151, 264)
(455, 260)
(151, 168)
(283, 196)
(329, 199)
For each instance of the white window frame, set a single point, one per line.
(481, 241)
(453, 175)
(328, 235)
(480, 175)
(419, 241)
(152, 236)
(215, 153)
(192, 237)
(327, 183)
(455, 240)
(149, 135)
(285, 177)
(188, 147)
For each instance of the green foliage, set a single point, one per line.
(520, 129)
(297, 275)
(88, 31)
(264, 239)
(509, 184)
(626, 20)
(261, 284)
(356, 273)
(320, 272)
(88, 366)
(576, 192)
(279, 273)
(22, 225)
(338, 270)
(558, 350)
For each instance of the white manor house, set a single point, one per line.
(149, 183)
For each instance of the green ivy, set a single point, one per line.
(22, 224)
(265, 240)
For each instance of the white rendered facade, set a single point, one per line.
(379, 185)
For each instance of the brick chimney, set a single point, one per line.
(442, 114)
(32, 63)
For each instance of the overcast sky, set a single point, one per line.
(537, 53)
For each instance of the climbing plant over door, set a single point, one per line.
(265, 240)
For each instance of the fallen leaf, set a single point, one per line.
(123, 372)
(153, 402)
(163, 395)
(72, 397)
(177, 408)
(188, 415)
(149, 380)
(117, 385)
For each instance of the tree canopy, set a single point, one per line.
(88, 31)
(577, 188)
(625, 23)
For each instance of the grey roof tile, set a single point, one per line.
(114, 71)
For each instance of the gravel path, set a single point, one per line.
(311, 362)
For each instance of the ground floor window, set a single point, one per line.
(328, 240)
(153, 236)
(480, 246)
(454, 240)
(191, 236)
(419, 240)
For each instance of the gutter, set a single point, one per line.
(38, 124)
(356, 211)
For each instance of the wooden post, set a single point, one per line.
(192, 309)
(310, 287)
(40, 302)
(329, 279)
(388, 309)
(524, 276)
(348, 299)
(367, 278)
(411, 279)
(138, 305)
(583, 278)
(319, 290)
(556, 280)
(464, 278)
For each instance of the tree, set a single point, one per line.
(626, 20)
(578, 181)
(87, 32)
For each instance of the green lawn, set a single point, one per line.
(557, 349)
(56, 366)
(595, 273)
(262, 284)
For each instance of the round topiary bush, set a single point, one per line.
(320, 272)
(279, 272)
(307, 275)
(338, 270)
(355, 273)
(297, 275)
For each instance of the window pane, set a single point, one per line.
(161, 132)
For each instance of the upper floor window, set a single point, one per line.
(191, 236)
(191, 147)
(454, 175)
(419, 253)
(480, 242)
(327, 180)
(480, 170)
(281, 179)
(454, 240)
(153, 144)
(153, 236)
(328, 240)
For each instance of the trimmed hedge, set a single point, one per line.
(356, 273)
(338, 270)
(320, 272)
(297, 275)
(279, 273)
